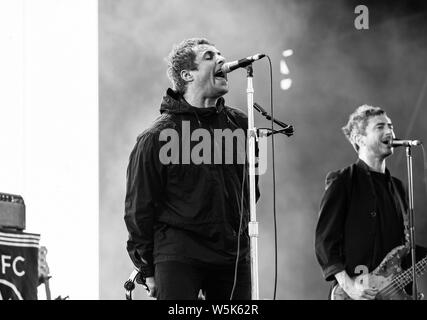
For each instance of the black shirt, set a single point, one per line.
(389, 218)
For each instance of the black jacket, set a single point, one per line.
(348, 221)
(185, 212)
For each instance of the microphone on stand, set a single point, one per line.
(404, 143)
(233, 65)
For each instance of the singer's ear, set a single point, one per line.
(186, 75)
(359, 139)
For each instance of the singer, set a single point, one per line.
(363, 212)
(187, 223)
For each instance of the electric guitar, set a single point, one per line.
(388, 277)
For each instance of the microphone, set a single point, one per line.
(404, 143)
(233, 65)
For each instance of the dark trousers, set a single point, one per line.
(183, 281)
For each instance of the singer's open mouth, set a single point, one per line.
(220, 74)
(387, 141)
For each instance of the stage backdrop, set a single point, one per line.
(334, 68)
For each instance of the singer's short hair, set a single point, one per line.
(358, 121)
(182, 57)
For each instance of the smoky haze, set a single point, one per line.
(334, 69)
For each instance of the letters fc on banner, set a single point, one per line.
(18, 265)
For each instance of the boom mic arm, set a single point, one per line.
(287, 129)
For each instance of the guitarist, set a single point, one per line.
(363, 208)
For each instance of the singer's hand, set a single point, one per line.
(357, 291)
(152, 288)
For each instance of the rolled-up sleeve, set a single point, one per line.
(144, 185)
(329, 235)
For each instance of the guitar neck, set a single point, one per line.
(406, 277)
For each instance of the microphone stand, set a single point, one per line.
(253, 224)
(287, 129)
(411, 221)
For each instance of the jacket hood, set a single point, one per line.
(174, 103)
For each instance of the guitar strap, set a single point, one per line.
(404, 212)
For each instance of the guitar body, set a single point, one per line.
(381, 278)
